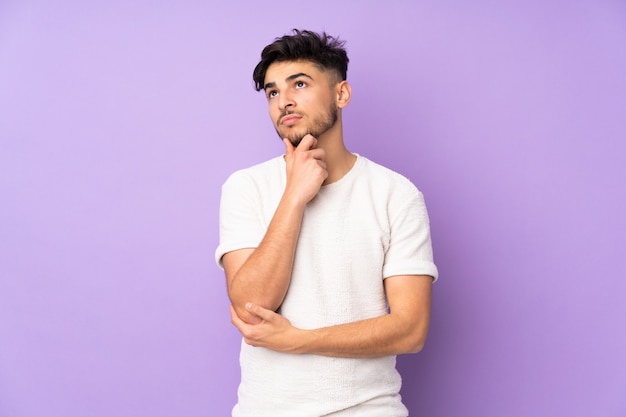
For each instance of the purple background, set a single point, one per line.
(119, 121)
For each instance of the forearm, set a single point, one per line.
(402, 330)
(264, 277)
(381, 336)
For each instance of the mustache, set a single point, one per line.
(288, 113)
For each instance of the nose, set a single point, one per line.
(285, 101)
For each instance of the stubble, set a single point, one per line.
(319, 126)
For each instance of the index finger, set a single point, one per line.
(308, 142)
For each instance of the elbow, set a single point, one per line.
(415, 341)
(416, 346)
(241, 294)
(244, 315)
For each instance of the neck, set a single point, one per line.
(339, 160)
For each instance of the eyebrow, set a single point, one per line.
(291, 77)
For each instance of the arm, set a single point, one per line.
(402, 330)
(262, 275)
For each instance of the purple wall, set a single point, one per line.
(119, 122)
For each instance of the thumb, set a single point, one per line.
(259, 311)
(289, 149)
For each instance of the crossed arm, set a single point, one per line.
(402, 330)
(258, 280)
(262, 275)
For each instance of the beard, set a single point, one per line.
(319, 126)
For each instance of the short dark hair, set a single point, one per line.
(325, 51)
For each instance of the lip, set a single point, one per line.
(290, 119)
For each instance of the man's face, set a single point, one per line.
(300, 100)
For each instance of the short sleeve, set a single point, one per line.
(241, 224)
(410, 249)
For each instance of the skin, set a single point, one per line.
(287, 119)
(305, 104)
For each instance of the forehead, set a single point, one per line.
(280, 71)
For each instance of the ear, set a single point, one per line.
(344, 93)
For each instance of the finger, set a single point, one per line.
(234, 318)
(308, 142)
(259, 311)
(288, 147)
(318, 154)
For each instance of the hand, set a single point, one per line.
(274, 331)
(306, 169)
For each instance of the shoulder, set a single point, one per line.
(266, 171)
(381, 176)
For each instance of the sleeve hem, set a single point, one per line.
(223, 249)
(412, 268)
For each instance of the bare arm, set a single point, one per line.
(403, 330)
(262, 275)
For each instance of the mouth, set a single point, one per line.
(289, 119)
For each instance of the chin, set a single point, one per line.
(294, 137)
(295, 141)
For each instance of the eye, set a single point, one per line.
(272, 93)
(300, 84)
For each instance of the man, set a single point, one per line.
(327, 255)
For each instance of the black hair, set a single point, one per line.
(325, 51)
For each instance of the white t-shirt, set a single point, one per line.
(369, 225)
